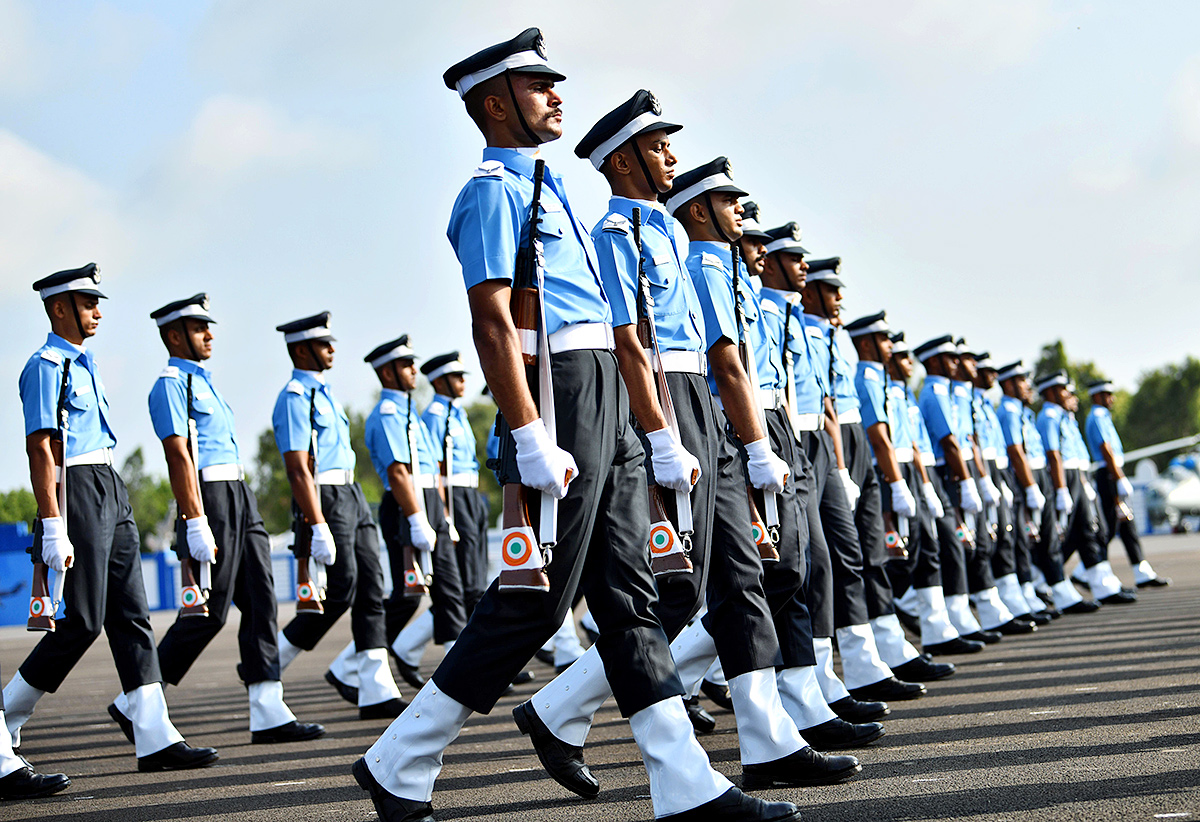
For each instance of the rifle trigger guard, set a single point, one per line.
(547, 555)
(686, 539)
(773, 533)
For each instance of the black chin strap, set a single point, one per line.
(637, 152)
(312, 351)
(712, 213)
(75, 311)
(188, 339)
(396, 375)
(512, 95)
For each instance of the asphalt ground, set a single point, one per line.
(1095, 718)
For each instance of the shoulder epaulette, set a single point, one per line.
(616, 223)
(387, 407)
(711, 259)
(294, 386)
(941, 388)
(771, 307)
(170, 371)
(489, 168)
(870, 374)
(51, 355)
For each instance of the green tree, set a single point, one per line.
(152, 502)
(269, 480)
(1166, 406)
(17, 505)
(482, 413)
(1054, 358)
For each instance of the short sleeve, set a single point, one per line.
(290, 421)
(618, 273)
(484, 230)
(1048, 427)
(870, 397)
(1010, 427)
(393, 441)
(168, 408)
(716, 303)
(40, 382)
(935, 408)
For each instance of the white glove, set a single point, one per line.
(1124, 487)
(903, 503)
(323, 550)
(1035, 500)
(420, 532)
(853, 492)
(971, 503)
(201, 543)
(1062, 501)
(767, 471)
(543, 465)
(57, 550)
(933, 500)
(674, 467)
(454, 537)
(989, 491)
(1007, 493)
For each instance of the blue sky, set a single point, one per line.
(1013, 171)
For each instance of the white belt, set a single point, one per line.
(904, 454)
(1001, 461)
(1119, 459)
(850, 416)
(988, 453)
(1035, 463)
(335, 476)
(101, 456)
(768, 399)
(425, 481)
(808, 422)
(927, 458)
(463, 480)
(230, 472)
(688, 362)
(582, 336)
(1077, 464)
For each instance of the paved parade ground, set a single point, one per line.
(1094, 718)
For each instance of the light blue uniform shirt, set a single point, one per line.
(940, 413)
(386, 435)
(845, 395)
(1011, 416)
(900, 414)
(486, 228)
(87, 407)
(808, 382)
(710, 267)
(1100, 429)
(215, 433)
(461, 436)
(1051, 424)
(1074, 446)
(870, 383)
(916, 419)
(291, 422)
(678, 320)
(964, 410)
(989, 425)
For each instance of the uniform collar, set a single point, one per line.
(312, 379)
(69, 348)
(625, 206)
(190, 366)
(393, 394)
(447, 401)
(870, 364)
(514, 159)
(818, 321)
(934, 378)
(780, 295)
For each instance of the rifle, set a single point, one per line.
(525, 553)
(309, 588)
(42, 604)
(448, 473)
(766, 536)
(669, 549)
(417, 569)
(895, 535)
(193, 595)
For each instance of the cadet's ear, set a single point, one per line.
(618, 161)
(698, 212)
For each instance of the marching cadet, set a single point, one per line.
(866, 675)
(218, 524)
(1112, 485)
(310, 424)
(18, 779)
(994, 616)
(919, 580)
(886, 427)
(630, 146)
(411, 512)
(1068, 464)
(591, 462)
(1037, 521)
(69, 438)
(995, 455)
(953, 454)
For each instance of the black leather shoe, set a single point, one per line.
(1157, 582)
(1119, 598)
(288, 732)
(735, 806)
(719, 694)
(563, 762)
(923, 670)
(702, 721)
(524, 677)
(888, 690)
(805, 767)
(26, 783)
(909, 621)
(545, 657)
(388, 709)
(177, 757)
(1016, 626)
(1051, 611)
(986, 637)
(390, 808)
(851, 710)
(1041, 618)
(409, 673)
(838, 733)
(1084, 606)
(125, 723)
(346, 692)
(958, 645)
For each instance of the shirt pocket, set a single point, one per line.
(556, 223)
(83, 399)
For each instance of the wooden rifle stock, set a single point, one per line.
(42, 604)
(192, 598)
(308, 587)
(759, 529)
(894, 540)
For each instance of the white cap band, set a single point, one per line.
(783, 244)
(454, 367)
(876, 327)
(307, 334)
(635, 126)
(190, 310)
(696, 189)
(400, 352)
(522, 59)
(73, 285)
(944, 348)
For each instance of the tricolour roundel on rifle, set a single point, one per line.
(517, 549)
(39, 606)
(305, 593)
(662, 540)
(410, 578)
(892, 539)
(190, 596)
(758, 532)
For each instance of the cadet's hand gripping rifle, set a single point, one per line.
(766, 536)
(42, 604)
(310, 587)
(193, 595)
(669, 548)
(418, 565)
